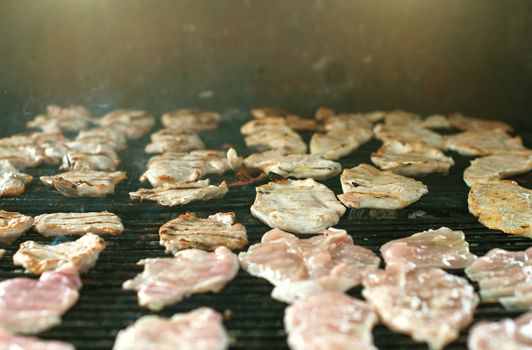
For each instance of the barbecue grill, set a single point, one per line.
(230, 56)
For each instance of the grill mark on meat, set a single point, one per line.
(367, 187)
(189, 231)
(497, 166)
(483, 143)
(78, 223)
(82, 253)
(87, 183)
(13, 225)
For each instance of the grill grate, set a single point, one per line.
(257, 322)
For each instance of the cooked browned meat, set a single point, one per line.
(58, 224)
(171, 168)
(181, 193)
(436, 121)
(411, 159)
(87, 183)
(12, 182)
(174, 140)
(261, 113)
(132, 123)
(443, 248)
(408, 133)
(497, 166)
(506, 334)
(367, 187)
(103, 135)
(22, 157)
(98, 161)
(429, 304)
(485, 142)
(462, 122)
(345, 121)
(82, 253)
(73, 118)
(329, 320)
(299, 206)
(323, 113)
(502, 205)
(272, 133)
(301, 166)
(13, 225)
(188, 231)
(191, 120)
(504, 276)
(258, 125)
(52, 144)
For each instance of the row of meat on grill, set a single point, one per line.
(413, 295)
(410, 149)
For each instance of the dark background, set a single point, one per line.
(426, 55)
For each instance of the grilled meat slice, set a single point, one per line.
(166, 281)
(13, 225)
(82, 253)
(504, 276)
(484, 143)
(22, 157)
(87, 183)
(296, 267)
(502, 205)
(293, 165)
(12, 181)
(329, 320)
(59, 224)
(77, 161)
(73, 118)
(188, 231)
(174, 140)
(411, 159)
(429, 304)
(506, 334)
(338, 143)
(299, 206)
(16, 342)
(442, 248)
(462, 122)
(350, 122)
(436, 121)
(31, 306)
(191, 120)
(181, 193)
(402, 118)
(171, 168)
(293, 121)
(259, 125)
(282, 139)
(408, 133)
(132, 123)
(497, 166)
(199, 329)
(367, 187)
(52, 145)
(104, 135)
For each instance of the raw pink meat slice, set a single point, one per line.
(329, 320)
(14, 342)
(299, 266)
(429, 304)
(166, 281)
(31, 306)
(504, 276)
(200, 329)
(443, 248)
(506, 334)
